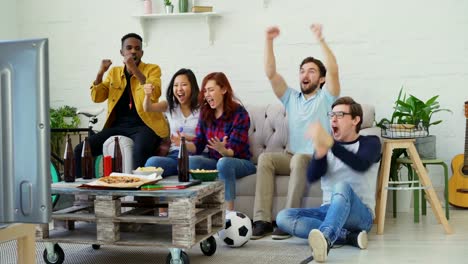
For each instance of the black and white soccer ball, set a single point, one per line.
(237, 231)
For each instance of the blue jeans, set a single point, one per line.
(168, 163)
(346, 213)
(229, 169)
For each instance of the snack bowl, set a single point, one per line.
(145, 171)
(204, 175)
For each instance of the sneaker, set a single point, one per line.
(279, 234)
(319, 245)
(261, 229)
(357, 239)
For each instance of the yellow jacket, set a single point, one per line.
(112, 88)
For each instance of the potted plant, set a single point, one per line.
(416, 116)
(414, 111)
(169, 7)
(62, 117)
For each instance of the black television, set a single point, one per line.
(25, 132)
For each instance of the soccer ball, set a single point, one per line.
(237, 231)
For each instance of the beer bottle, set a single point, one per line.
(183, 162)
(117, 160)
(69, 162)
(87, 161)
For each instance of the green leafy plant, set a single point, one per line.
(414, 111)
(167, 2)
(62, 117)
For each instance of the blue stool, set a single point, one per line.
(408, 163)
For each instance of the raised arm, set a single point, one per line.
(332, 77)
(105, 65)
(277, 82)
(100, 89)
(148, 105)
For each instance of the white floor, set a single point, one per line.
(403, 242)
(407, 242)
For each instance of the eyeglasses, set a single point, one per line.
(338, 114)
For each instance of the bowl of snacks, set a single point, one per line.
(204, 175)
(148, 171)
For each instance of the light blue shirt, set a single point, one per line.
(302, 112)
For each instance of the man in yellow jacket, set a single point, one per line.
(123, 90)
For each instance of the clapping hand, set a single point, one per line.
(175, 139)
(218, 145)
(320, 137)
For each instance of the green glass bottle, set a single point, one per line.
(183, 6)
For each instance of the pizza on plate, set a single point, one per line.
(120, 179)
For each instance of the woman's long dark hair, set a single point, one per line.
(195, 90)
(229, 101)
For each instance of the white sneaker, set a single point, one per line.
(319, 245)
(357, 239)
(362, 239)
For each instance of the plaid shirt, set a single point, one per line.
(236, 128)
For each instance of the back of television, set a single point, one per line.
(25, 132)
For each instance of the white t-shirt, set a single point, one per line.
(177, 120)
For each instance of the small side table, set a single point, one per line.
(409, 164)
(381, 203)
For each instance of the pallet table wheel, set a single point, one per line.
(177, 256)
(208, 246)
(53, 254)
(96, 246)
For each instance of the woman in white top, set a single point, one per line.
(182, 111)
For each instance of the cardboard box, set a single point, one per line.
(202, 9)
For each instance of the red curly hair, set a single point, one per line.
(207, 114)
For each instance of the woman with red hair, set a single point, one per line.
(223, 127)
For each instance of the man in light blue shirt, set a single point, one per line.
(310, 104)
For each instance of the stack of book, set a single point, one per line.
(201, 9)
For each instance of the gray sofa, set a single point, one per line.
(269, 133)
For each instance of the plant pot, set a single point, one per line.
(404, 201)
(147, 7)
(169, 9)
(183, 6)
(426, 147)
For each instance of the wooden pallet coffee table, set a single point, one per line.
(101, 217)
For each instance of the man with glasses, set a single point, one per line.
(310, 104)
(347, 166)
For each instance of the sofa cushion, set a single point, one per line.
(268, 129)
(368, 112)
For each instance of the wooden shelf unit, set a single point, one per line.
(208, 16)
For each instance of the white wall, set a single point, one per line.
(380, 46)
(8, 20)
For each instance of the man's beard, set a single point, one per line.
(310, 88)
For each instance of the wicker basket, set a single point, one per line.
(403, 131)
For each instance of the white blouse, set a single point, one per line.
(177, 120)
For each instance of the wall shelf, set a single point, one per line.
(208, 16)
